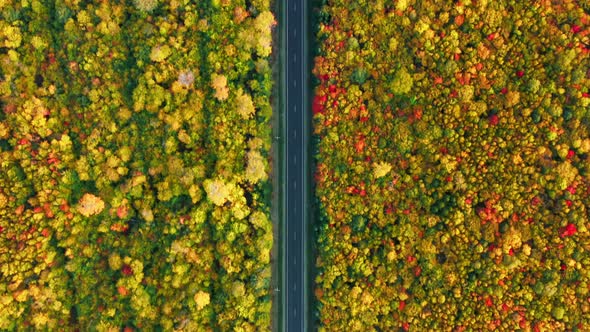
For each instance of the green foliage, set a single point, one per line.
(359, 76)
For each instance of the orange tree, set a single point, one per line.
(452, 165)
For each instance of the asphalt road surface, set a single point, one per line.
(295, 308)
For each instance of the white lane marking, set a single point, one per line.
(294, 57)
(294, 83)
(294, 133)
(294, 239)
(294, 312)
(294, 185)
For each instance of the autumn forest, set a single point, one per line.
(451, 169)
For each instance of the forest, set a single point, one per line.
(451, 142)
(134, 165)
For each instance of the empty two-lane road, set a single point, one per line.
(295, 159)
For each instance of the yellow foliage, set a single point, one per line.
(259, 219)
(124, 153)
(104, 326)
(244, 105)
(159, 53)
(401, 5)
(219, 84)
(264, 21)
(238, 289)
(40, 320)
(195, 192)
(147, 214)
(3, 200)
(83, 18)
(391, 256)
(4, 130)
(255, 143)
(512, 98)
(381, 169)
(366, 298)
(355, 292)
(202, 299)
(184, 137)
(566, 173)
(10, 37)
(21, 296)
(263, 44)
(108, 27)
(255, 170)
(115, 261)
(239, 208)
(146, 5)
(217, 191)
(90, 205)
(511, 240)
(38, 43)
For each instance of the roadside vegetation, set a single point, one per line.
(134, 145)
(452, 145)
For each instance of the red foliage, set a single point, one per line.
(402, 305)
(417, 271)
(388, 209)
(493, 120)
(318, 104)
(576, 28)
(571, 189)
(488, 213)
(127, 270)
(359, 146)
(568, 230)
(45, 232)
(122, 291)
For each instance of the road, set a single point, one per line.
(295, 159)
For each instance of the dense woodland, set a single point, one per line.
(134, 165)
(452, 144)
